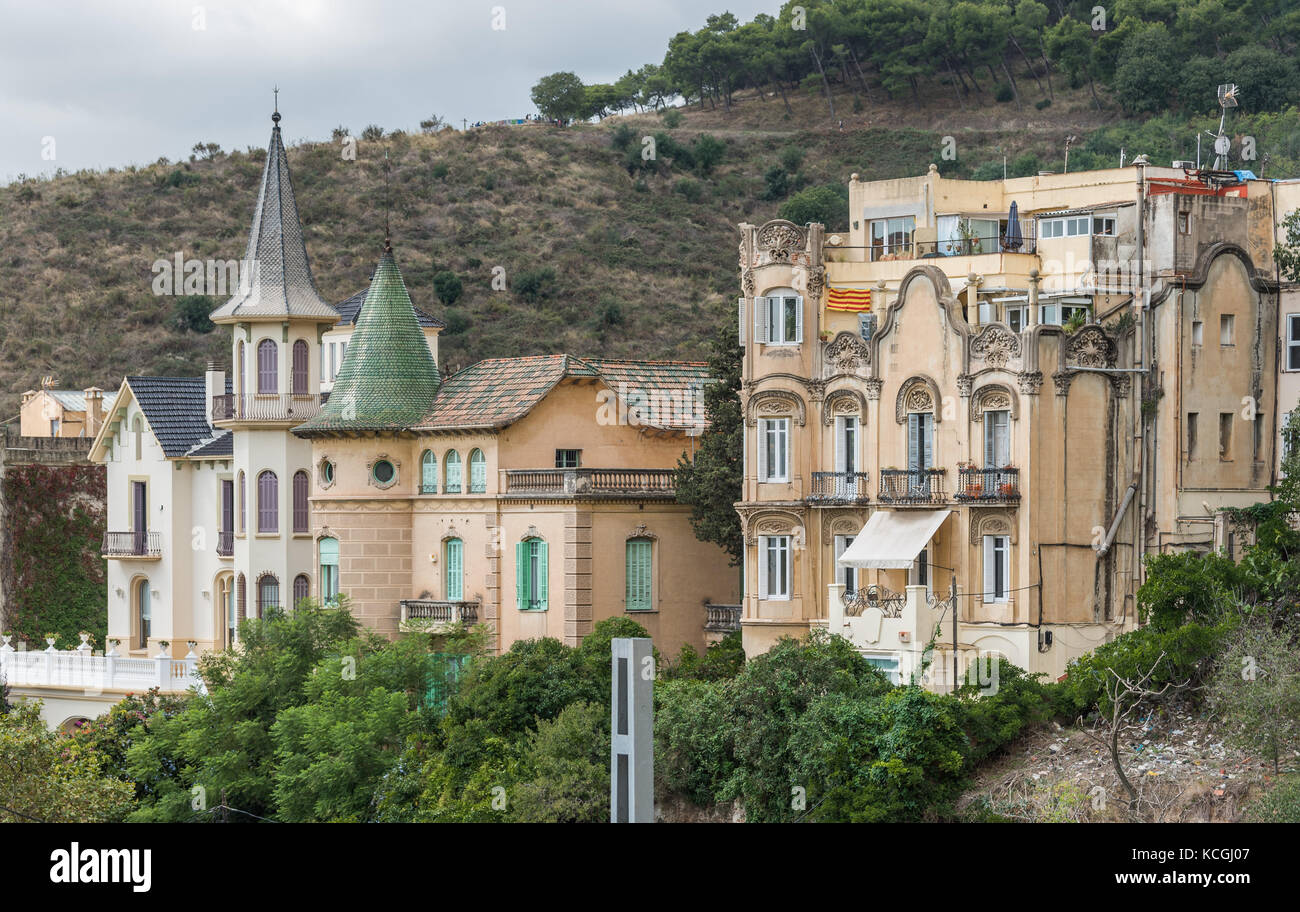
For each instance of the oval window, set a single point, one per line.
(383, 471)
(327, 471)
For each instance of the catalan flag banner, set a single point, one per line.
(857, 300)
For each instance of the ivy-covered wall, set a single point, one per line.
(53, 576)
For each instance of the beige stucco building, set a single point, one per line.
(49, 412)
(1033, 402)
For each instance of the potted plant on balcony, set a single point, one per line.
(973, 489)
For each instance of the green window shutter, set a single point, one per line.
(454, 568)
(477, 472)
(543, 570)
(521, 575)
(638, 576)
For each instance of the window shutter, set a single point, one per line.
(841, 445)
(798, 318)
(990, 433)
(760, 319)
(762, 567)
(988, 568)
(763, 446)
(521, 575)
(543, 570)
(740, 304)
(454, 572)
(913, 442)
(927, 437)
(477, 472)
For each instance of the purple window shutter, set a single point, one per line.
(268, 501)
(300, 368)
(301, 589)
(267, 368)
(301, 522)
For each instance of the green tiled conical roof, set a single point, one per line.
(388, 378)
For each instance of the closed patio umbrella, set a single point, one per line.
(1013, 240)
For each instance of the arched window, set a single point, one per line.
(301, 588)
(241, 378)
(138, 427)
(268, 502)
(268, 594)
(241, 599)
(228, 625)
(454, 569)
(144, 612)
(268, 367)
(531, 565)
(243, 504)
(301, 517)
(477, 472)
(451, 472)
(329, 570)
(300, 368)
(428, 473)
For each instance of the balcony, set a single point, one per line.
(133, 545)
(286, 407)
(927, 250)
(638, 484)
(722, 619)
(988, 485)
(80, 669)
(887, 600)
(839, 488)
(429, 614)
(225, 544)
(912, 486)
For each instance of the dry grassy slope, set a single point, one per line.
(75, 252)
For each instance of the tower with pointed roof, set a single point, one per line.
(276, 319)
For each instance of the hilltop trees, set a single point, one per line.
(560, 96)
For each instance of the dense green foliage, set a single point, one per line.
(56, 582)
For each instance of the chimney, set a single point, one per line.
(94, 410)
(214, 384)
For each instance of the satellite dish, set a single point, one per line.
(1228, 95)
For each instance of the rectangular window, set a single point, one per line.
(1293, 341)
(997, 438)
(638, 574)
(920, 572)
(329, 570)
(892, 237)
(888, 665)
(1227, 323)
(1104, 225)
(454, 568)
(1225, 435)
(1074, 226)
(1070, 311)
(1192, 419)
(783, 323)
(54, 427)
(774, 572)
(846, 444)
(531, 571)
(774, 443)
(568, 459)
(1047, 315)
(1017, 318)
(997, 567)
(846, 575)
(920, 441)
(1198, 332)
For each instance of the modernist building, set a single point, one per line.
(1019, 388)
(532, 494)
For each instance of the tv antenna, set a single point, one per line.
(1222, 145)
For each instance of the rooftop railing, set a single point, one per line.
(658, 483)
(266, 407)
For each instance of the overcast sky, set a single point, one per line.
(126, 81)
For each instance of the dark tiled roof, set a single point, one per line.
(221, 445)
(388, 378)
(350, 309)
(498, 392)
(175, 410)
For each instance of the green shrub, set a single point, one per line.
(1187, 586)
(190, 314)
(447, 286)
(707, 151)
(792, 158)
(457, 322)
(690, 189)
(1256, 690)
(1003, 93)
(534, 285)
(569, 762)
(720, 660)
(827, 204)
(994, 720)
(1281, 804)
(694, 747)
(672, 118)
(777, 183)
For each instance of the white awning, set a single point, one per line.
(892, 539)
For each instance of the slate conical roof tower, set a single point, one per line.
(275, 276)
(388, 379)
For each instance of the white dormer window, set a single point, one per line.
(779, 318)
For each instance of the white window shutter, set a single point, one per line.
(763, 462)
(841, 446)
(762, 567)
(989, 558)
(760, 319)
(740, 303)
(913, 441)
(927, 424)
(989, 443)
(798, 319)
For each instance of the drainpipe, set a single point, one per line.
(1114, 525)
(1141, 304)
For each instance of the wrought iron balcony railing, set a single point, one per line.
(225, 543)
(859, 600)
(920, 486)
(991, 485)
(642, 483)
(840, 487)
(266, 407)
(146, 545)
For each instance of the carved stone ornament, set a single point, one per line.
(847, 353)
(964, 383)
(1091, 347)
(780, 240)
(1031, 382)
(998, 523)
(992, 398)
(995, 346)
(642, 531)
(747, 282)
(844, 402)
(775, 404)
(1121, 383)
(816, 389)
(841, 523)
(1062, 380)
(874, 386)
(917, 394)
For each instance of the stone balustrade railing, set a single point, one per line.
(80, 669)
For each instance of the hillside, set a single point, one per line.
(598, 262)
